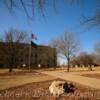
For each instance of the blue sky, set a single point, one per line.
(66, 18)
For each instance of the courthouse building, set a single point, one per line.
(14, 54)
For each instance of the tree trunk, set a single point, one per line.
(68, 65)
(10, 69)
(90, 67)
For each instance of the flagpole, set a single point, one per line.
(30, 56)
(32, 37)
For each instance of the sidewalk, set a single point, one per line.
(91, 82)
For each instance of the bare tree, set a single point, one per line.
(1, 40)
(75, 61)
(97, 52)
(32, 6)
(87, 59)
(67, 45)
(97, 47)
(84, 59)
(13, 38)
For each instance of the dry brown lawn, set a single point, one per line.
(7, 70)
(8, 80)
(24, 85)
(20, 77)
(39, 91)
(94, 75)
(76, 69)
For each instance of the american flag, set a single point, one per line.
(33, 36)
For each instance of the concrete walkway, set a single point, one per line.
(90, 82)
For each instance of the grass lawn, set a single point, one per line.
(39, 91)
(24, 85)
(8, 80)
(7, 70)
(94, 75)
